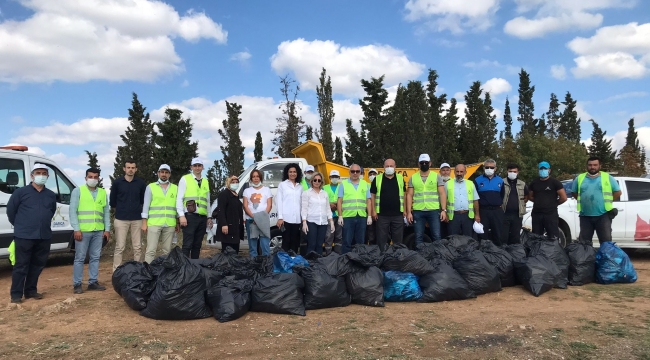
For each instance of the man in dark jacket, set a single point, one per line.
(514, 205)
(30, 210)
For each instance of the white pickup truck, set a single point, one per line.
(630, 229)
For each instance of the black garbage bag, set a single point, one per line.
(531, 240)
(180, 291)
(479, 274)
(203, 262)
(134, 281)
(538, 274)
(554, 252)
(582, 263)
(444, 284)
(230, 299)
(463, 242)
(441, 249)
(501, 260)
(366, 255)
(366, 286)
(401, 258)
(335, 264)
(517, 251)
(156, 266)
(323, 290)
(278, 293)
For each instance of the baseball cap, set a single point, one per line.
(335, 173)
(444, 165)
(40, 166)
(373, 170)
(309, 168)
(164, 167)
(196, 161)
(424, 157)
(544, 164)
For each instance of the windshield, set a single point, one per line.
(246, 172)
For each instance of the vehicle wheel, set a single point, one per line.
(563, 240)
(276, 239)
(409, 240)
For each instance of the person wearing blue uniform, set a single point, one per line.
(491, 191)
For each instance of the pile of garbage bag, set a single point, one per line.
(613, 265)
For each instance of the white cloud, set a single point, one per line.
(82, 132)
(582, 113)
(241, 57)
(496, 86)
(614, 52)
(455, 16)
(641, 117)
(559, 16)
(185, 83)
(346, 65)
(30, 149)
(626, 95)
(491, 64)
(558, 72)
(114, 40)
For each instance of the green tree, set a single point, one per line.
(601, 147)
(174, 146)
(338, 152)
(355, 145)
(290, 124)
(405, 126)
(216, 178)
(631, 159)
(94, 163)
(138, 143)
(553, 117)
(434, 121)
(373, 129)
(526, 106)
(233, 151)
(569, 126)
(309, 133)
(449, 140)
(478, 128)
(326, 114)
(507, 120)
(542, 128)
(258, 152)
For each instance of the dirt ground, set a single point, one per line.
(588, 322)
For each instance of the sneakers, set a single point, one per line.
(78, 289)
(37, 296)
(16, 300)
(95, 287)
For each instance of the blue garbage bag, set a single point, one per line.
(283, 262)
(613, 265)
(401, 286)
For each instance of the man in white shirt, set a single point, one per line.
(354, 209)
(192, 208)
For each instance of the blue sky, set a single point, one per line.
(67, 68)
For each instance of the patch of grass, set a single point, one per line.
(417, 342)
(582, 346)
(516, 342)
(128, 339)
(352, 321)
(61, 346)
(617, 291)
(617, 331)
(348, 328)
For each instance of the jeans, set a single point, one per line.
(420, 219)
(155, 235)
(31, 257)
(91, 243)
(334, 240)
(354, 232)
(122, 228)
(547, 223)
(193, 234)
(265, 243)
(316, 237)
(512, 228)
(602, 225)
(492, 221)
(389, 227)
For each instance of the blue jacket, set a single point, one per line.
(31, 212)
(491, 191)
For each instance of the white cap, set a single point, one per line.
(309, 168)
(444, 165)
(40, 166)
(375, 170)
(165, 167)
(424, 157)
(335, 173)
(196, 161)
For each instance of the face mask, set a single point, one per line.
(371, 178)
(257, 184)
(424, 167)
(489, 172)
(543, 174)
(308, 176)
(234, 187)
(92, 182)
(335, 181)
(389, 170)
(459, 178)
(161, 181)
(512, 175)
(446, 178)
(40, 179)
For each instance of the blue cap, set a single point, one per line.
(544, 164)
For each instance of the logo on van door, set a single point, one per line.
(58, 220)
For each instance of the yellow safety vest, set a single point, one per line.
(451, 190)
(12, 253)
(400, 184)
(304, 184)
(333, 197)
(608, 194)
(354, 200)
(199, 195)
(162, 210)
(425, 195)
(91, 211)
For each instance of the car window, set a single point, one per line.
(59, 184)
(12, 175)
(568, 185)
(273, 174)
(637, 190)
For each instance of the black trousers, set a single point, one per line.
(492, 220)
(233, 246)
(31, 257)
(389, 228)
(193, 234)
(291, 237)
(601, 225)
(371, 233)
(546, 223)
(511, 228)
(462, 224)
(444, 229)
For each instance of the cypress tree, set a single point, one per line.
(507, 120)
(233, 151)
(569, 127)
(434, 121)
(338, 152)
(526, 107)
(94, 163)
(449, 141)
(355, 145)
(309, 133)
(258, 152)
(373, 128)
(473, 126)
(174, 146)
(601, 147)
(553, 117)
(216, 178)
(326, 114)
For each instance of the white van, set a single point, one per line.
(15, 168)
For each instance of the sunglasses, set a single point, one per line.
(317, 180)
(489, 167)
(355, 171)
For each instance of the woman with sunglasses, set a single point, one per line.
(230, 216)
(316, 214)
